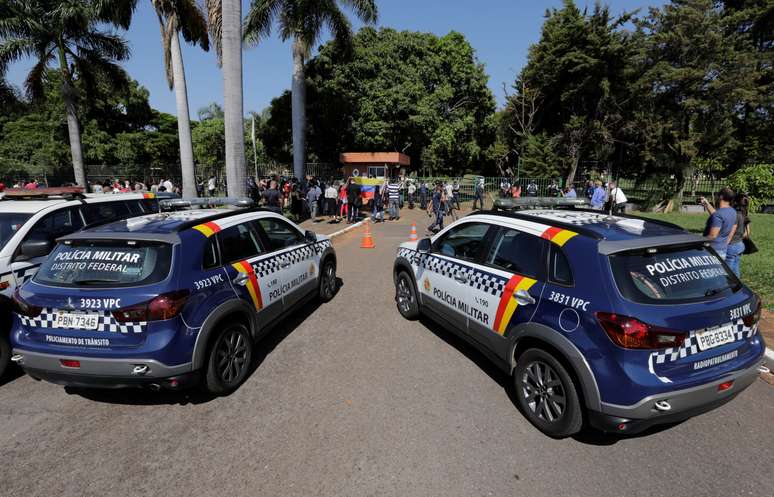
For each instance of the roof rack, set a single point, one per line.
(507, 204)
(61, 192)
(527, 217)
(220, 215)
(184, 203)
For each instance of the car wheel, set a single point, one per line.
(406, 296)
(547, 394)
(5, 354)
(327, 281)
(229, 360)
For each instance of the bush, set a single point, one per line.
(757, 181)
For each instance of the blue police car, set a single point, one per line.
(623, 321)
(166, 300)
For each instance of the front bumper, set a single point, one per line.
(683, 404)
(103, 372)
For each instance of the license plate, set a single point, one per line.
(715, 338)
(72, 320)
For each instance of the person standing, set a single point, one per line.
(330, 201)
(532, 189)
(553, 189)
(312, 198)
(353, 201)
(736, 244)
(479, 194)
(412, 190)
(617, 198)
(423, 191)
(393, 193)
(273, 198)
(598, 197)
(721, 224)
(377, 215)
(211, 186)
(436, 208)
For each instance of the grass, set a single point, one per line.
(757, 269)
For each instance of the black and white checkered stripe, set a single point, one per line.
(480, 280)
(272, 264)
(691, 346)
(575, 218)
(106, 322)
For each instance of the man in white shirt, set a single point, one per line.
(168, 185)
(412, 190)
(211, 186)
(617, 198)
(330, 201)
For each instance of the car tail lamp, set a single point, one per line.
(751, 319)
(21, 307)
(165, 306)
(631, 333)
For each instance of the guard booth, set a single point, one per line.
(374, 164)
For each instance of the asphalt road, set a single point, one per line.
(348, 399)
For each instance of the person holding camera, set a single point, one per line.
(721, 224)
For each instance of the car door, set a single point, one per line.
(244, 257)
(517, 261)
(47, 229)
(446, 272)
(296, 256)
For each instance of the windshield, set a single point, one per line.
(9, 225)
(672, 275)
(105, 264)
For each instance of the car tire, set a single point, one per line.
(327, 288)
(406, 296)
(546, 394)
(229, 359)
(5, 354)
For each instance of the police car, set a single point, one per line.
(627, 322)
(166, 300)
(30, 222)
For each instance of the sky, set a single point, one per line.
(500, 31)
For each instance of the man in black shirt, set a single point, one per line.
(273, 198)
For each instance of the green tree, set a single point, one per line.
(397, 91)
(68, 34)
(303, 21)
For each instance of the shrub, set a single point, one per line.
(757, 180)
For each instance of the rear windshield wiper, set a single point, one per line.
(94, 282)
(715, 291)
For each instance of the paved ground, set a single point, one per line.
(350, 400)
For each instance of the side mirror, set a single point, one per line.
(423, 245)
(35, 248)
(310, 236)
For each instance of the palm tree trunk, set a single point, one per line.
(73, 129)
(298, 109)
(232, 97)
(183, 119)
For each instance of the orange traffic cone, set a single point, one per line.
(413, 235)
(368, 241)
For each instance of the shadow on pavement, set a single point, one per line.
(264, 347)
(588, 435)
(12, 373)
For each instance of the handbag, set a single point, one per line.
(749, 246)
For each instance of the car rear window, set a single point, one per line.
(671, 275)
(101, 264)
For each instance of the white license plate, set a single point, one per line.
(715, 338)
(72, 320)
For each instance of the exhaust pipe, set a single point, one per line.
(663, 406)
(761, 369)
(140, 370)
(17, 358)
(155, 387)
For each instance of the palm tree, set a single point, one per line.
(184, 16)
(225, 20)
(67, 34)
(212, 111)
(303, 21)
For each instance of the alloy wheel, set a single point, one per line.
(232, 355)
(544, 392)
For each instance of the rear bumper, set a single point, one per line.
(683, 404)
(102, 372)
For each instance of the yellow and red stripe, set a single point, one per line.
(207, 229)
(558, 236)
(508, 303)
(252, 283)
(148, 195)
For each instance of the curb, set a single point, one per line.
(348, 228)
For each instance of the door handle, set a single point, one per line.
(241, 279)
(524, 298)
(284, 264)
(462, 277)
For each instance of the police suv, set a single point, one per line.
(166, 300)
(30, 222)
(631, 322)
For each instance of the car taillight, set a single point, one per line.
(165, 306)
(20, 306)
(751, 319)
(631, 333)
